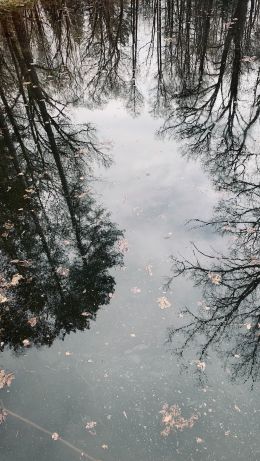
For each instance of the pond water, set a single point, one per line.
(130, 226)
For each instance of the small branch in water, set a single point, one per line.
(45, 431)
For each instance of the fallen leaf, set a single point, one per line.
(149, 269)
(3, 415)
(163, 302)
(237, 408)
(136, 290)
(8, 225)
(90, 425)
(215, 278)
(5, 379)
(200, 365)
(3, 299)
(16, 279)
(172, 419)
(63, 271)
(33, 321)
(122, 245)
(199, 440)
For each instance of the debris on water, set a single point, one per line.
(3, 415)
(172, 419)
(136, 290)
(32, 321)
(5, 379)
(215, 278)
(16, 279)
(3, 299)
(63, 271)
(163, 302)
(148, 269)
(200, 365)
(90, 425)
(55, 436)
(123, 246)
(199, 440)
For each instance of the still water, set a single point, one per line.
(130, 265)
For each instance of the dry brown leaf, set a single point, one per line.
(16, 279)
(200, 365)
(33, 321)
(237, 408)
(214, 278)
(136, 290)
(172, 419)
(3, 415)
(63, 271)
(199, 440)
(90, 425)
(163, 302)
(3, 299)
(122, 245)
(5, 379)
(148, 269)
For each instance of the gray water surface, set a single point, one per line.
(101, 380)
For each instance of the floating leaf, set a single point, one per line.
(199, 440)
(3, 415)
(122, 245)
(200, 365)
(148, 269)
(136, 290)
(33, 321)
(173, 420)
(90, 425)
(214, 278)
(163, 302)
(63, 271)
(5, 379)
(16, 279)
(3, 299)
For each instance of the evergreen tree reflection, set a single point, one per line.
(57, 244)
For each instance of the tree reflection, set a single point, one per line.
(57, 244)
(204, 59)
(210, 113)
(228, 317)
(209, 106)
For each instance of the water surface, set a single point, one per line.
(121, 124)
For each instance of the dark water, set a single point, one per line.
(130, 257)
